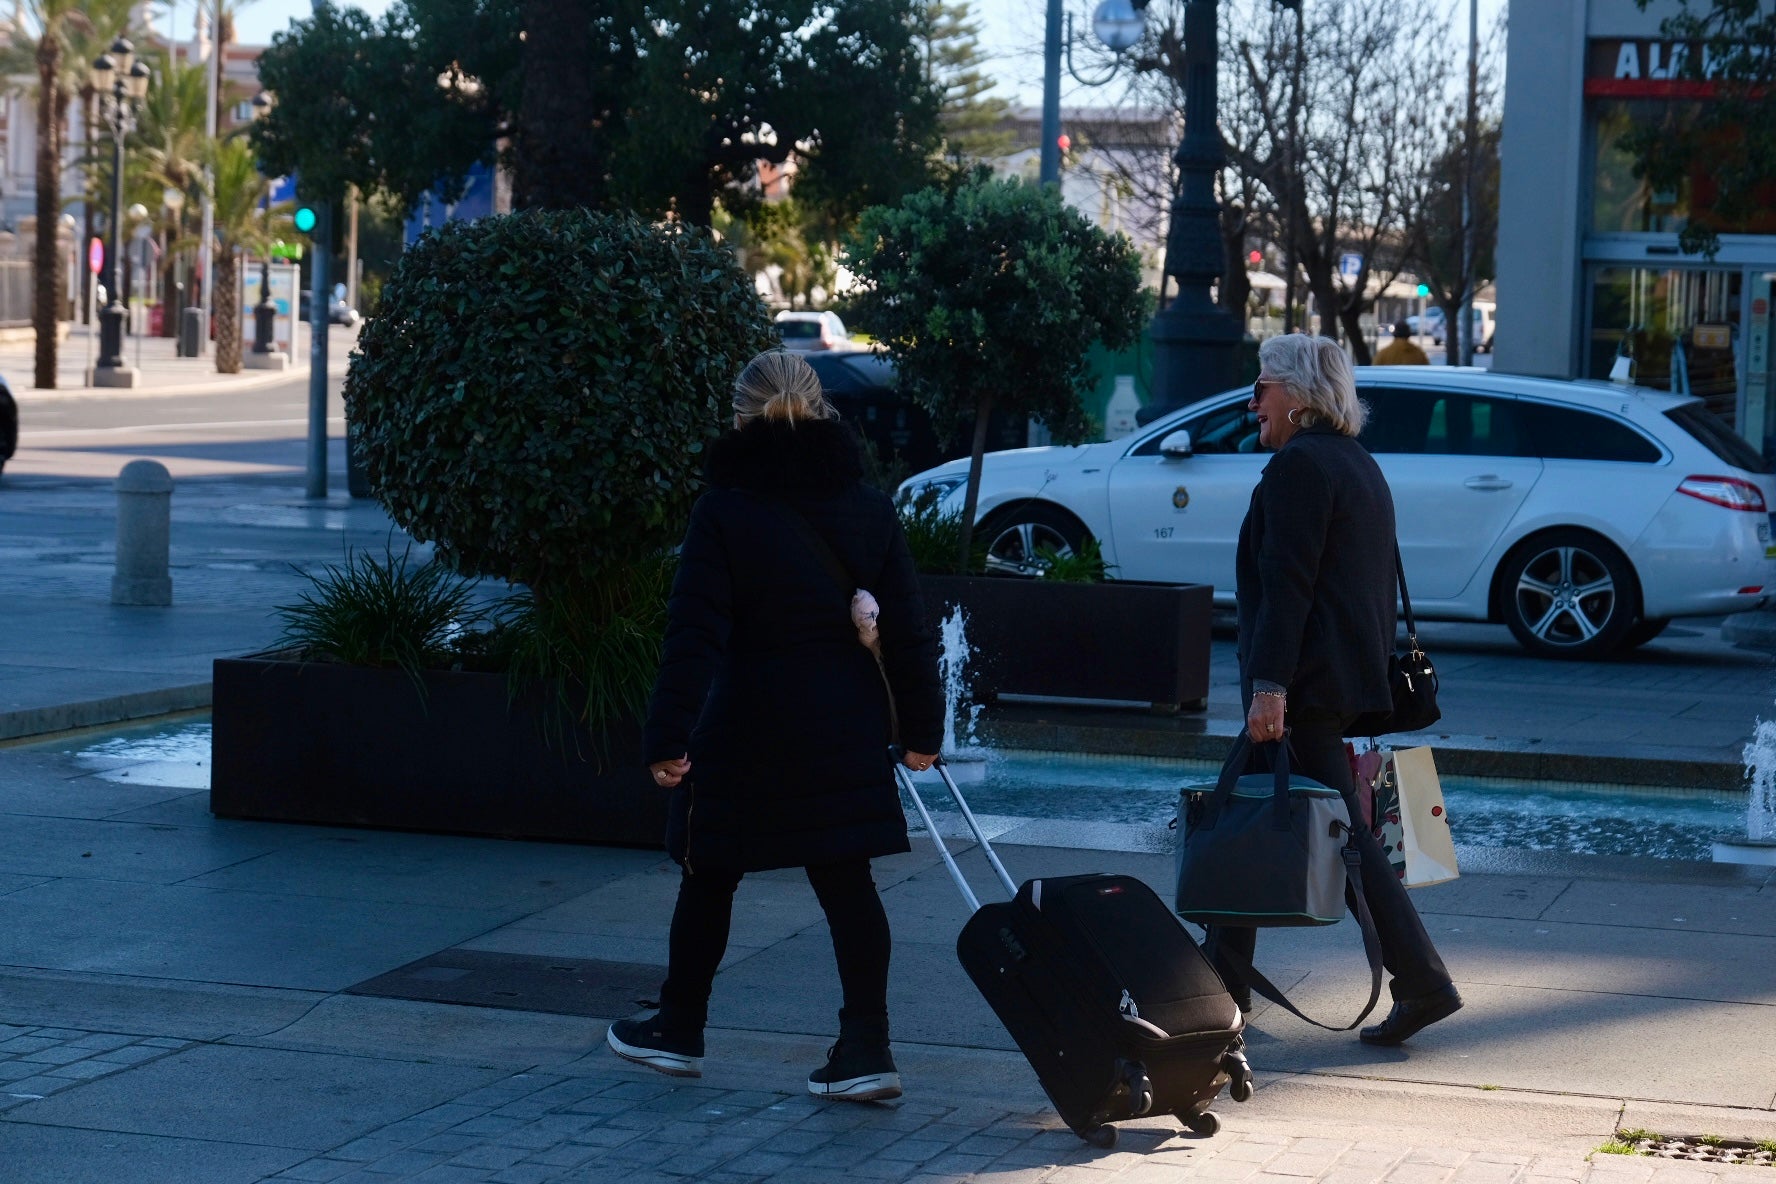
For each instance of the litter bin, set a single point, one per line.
(191, 333)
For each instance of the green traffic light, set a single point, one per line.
(1424, 289)
(305, 219)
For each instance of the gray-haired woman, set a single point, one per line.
(1317, 604)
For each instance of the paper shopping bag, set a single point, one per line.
(1412, 821)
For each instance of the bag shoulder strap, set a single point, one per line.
(1249, 974)
(841, 578)
(1405, 597)
(823, 550)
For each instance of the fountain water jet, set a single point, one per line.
(962, 750)
(1759, 844)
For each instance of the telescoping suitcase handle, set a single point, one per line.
(906, 781)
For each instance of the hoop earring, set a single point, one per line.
(1293, 412)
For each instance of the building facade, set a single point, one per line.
(1589, 268)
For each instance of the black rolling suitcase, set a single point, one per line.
(1105, 993)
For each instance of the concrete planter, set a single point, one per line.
(341, 745)
(1123, 640)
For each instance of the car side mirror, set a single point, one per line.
(1176, 445)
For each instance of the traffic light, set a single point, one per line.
(1424, 290)
(305, 219)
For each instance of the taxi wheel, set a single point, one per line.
(1016, 539)
(1568, 594)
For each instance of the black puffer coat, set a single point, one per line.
(763, 681)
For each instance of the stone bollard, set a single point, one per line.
(144, 514)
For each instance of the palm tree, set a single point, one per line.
(239, 191)
(55, 21)
(171, 148)
(69, 35)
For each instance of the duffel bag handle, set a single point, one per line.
(1235, 766)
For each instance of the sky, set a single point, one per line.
(1011, 34)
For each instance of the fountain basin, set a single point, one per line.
(1739, 849)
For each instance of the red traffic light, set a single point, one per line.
(1255, 258)
(1065, 142)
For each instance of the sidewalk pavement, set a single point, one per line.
(188, 1000)
(161, 372)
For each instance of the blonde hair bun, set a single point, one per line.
(779, 385)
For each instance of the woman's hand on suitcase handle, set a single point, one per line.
(918, 761)
(667, 774)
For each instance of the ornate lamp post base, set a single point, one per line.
(120, 376)
(111, 369)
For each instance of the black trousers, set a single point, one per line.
(1406, 949)
(854, 915)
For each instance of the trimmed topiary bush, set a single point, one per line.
(536, 390)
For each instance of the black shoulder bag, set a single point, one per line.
(1411, 678)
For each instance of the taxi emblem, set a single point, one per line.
(1180, 497)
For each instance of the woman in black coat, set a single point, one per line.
(1316, 596)
(771, 721)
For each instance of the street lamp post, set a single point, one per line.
(121, 82)
(265, 354)
(1196, 342)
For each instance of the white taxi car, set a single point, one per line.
(1583, 515)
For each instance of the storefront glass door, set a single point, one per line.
(1680, 330)
(1760, 382)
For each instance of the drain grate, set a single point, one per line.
(1699, 1148)
(520, 982)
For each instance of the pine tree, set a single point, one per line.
(972, 120)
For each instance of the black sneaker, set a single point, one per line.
(856, 1072)
(646, 1042)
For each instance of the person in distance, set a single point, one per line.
(1402, 350)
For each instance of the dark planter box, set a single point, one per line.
(349, 746)
(1119, 640)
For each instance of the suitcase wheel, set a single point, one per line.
(1140, 1091)
(1206, 1123)
(1103, 1137)
(1239, 1071)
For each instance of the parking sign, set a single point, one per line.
(1350, 266)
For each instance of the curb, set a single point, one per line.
(1463, 756)
(1466, 756)
(229, 385)
(1755, 630)
(117, 709)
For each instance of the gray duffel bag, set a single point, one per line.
(1268, 850)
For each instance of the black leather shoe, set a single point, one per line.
(1411, 1016)
(1242, 995)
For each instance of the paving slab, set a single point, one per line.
(132, 851)
(212, 935)
(431, 870)
(60, 1155)
(179, 1011)
(264, 1097)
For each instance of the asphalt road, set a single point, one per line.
(257, 432)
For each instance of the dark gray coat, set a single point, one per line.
(763, 681)
(1316, 589)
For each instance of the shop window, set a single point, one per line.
(1621, 201)
(1679, 328)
